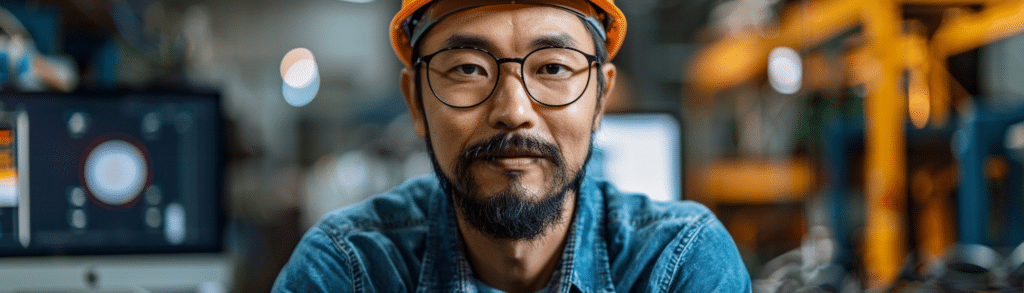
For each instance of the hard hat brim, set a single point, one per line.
(615, 28)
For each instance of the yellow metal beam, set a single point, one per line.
(728, 62)
(810, 24)
(953, 2)
(885, 146)
(968, 31)
(735, 59)
(728, 182)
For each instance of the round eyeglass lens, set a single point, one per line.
(556, 76)
(462, 77)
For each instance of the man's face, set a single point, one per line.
(509, 150)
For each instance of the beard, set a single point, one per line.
(509, 214)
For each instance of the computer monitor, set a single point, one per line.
(640, 152)
(94, 183)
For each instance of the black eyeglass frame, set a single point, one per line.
(591, 59)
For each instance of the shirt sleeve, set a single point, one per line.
(709, 261)
(316, 265)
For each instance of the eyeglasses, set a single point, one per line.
(463, 77)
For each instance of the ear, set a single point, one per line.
(609, 72)
(408, 80)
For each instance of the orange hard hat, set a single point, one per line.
(611, 22)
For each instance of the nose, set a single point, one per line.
(510, 105)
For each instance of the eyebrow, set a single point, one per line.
(466, 41)
(555, 40)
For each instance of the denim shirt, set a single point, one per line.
(406, 240)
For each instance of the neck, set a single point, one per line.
(518, 265)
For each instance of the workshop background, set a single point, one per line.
(847, 146)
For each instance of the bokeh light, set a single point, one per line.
(301, 79)
(785, 70)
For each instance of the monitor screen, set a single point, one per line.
(640, 152)
(84, 174)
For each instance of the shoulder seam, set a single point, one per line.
(348, 218)
(647, 219)
(379, 225)
(681, 246)
(351, 261)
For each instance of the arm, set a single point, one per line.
(317, 265)
(706, 260)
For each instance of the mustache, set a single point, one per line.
(511, 145)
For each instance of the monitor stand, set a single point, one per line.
(203, 273)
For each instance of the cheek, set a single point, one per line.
(449, 133)
(572, 128)
(440, 127)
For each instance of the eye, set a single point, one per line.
(469, 69)
(552, 69)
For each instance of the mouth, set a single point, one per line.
(514, 161)
(515, 164)
(516, 154)
(512, 155)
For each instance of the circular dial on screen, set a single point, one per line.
(115, 172)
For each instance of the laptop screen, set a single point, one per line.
(84, 174)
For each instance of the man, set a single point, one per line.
(507, 95)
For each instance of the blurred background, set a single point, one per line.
(847, 146)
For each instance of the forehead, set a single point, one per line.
(509, 29)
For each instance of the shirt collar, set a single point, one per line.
(444, 268)
(584, 262)
(585, 258)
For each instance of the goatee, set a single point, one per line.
(510, 213)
